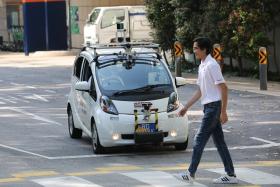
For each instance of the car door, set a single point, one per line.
(88, 99)
(76, 95)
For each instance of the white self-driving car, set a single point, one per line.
(124, 94)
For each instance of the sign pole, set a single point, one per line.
(178, 58)
(263, 68)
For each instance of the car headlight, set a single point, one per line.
(107, 105)
(173, 102)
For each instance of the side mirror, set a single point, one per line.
(82, 86)
(180, 81)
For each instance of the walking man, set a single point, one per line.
(213, 94)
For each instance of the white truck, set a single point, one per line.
(102, 23)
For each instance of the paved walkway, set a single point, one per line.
(243, 84)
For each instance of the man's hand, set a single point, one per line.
(183, 111)
(223, 117)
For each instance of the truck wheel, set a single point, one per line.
(96, 146)
(182, 146)
(73, 132)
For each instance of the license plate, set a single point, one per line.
(146, 128)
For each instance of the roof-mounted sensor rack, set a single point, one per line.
(127, 47)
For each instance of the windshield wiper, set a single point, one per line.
(140, 90)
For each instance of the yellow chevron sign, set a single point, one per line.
(178, 49)
(262, 55)
(217, 52)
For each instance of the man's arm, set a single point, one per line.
(224, 94)
(194, 98)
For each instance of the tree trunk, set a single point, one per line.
(173, 58)
(274, 51)
(230, 62)
(240, 65)
(164, 55)
(194, 58)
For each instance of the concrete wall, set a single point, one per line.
(85, 7)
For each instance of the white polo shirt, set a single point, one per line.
(209, 76)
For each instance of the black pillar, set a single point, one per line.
(44, 25)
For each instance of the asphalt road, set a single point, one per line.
(36, 150)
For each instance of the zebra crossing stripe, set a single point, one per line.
(65, 182)
(160, 179)
(252, 176)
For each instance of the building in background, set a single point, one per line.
(12, 18)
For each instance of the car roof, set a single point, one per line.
(121, 50)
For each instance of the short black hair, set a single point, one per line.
(204, 43)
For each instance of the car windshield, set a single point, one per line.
(142, 77)
(94, 16)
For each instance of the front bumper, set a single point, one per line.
(123, 127)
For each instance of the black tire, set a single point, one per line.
(182, 146)
(73, 132)
(96, 146)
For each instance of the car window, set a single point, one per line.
(86, 71)
(94, 15)
(77, 67)
(112, 17)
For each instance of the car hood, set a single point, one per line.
(128, 107)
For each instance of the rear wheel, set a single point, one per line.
(182, 146)
(73, 132)
(96, 146)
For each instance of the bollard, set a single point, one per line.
(263, 68)
(217, 54)
(178, 58)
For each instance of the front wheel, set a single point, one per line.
(96, 146)
(73, 132)
(182, 146)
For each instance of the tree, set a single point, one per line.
(189, 18)
(271, 9)
(160, 15)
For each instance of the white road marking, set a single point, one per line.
(87, 156)
(159, 179)
(65, 182)
(225, 130)
(22, 151)
(32, 87)
(7, 100)
(33, 116)
(268, 122)
(17, 99)
(195, 113)
(50, 91)
(36, 97)
(263, 140)
(252, 176)
(199, 121)
(16, 84)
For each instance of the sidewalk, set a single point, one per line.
(243, 84)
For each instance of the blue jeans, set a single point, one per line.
(211, 126)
